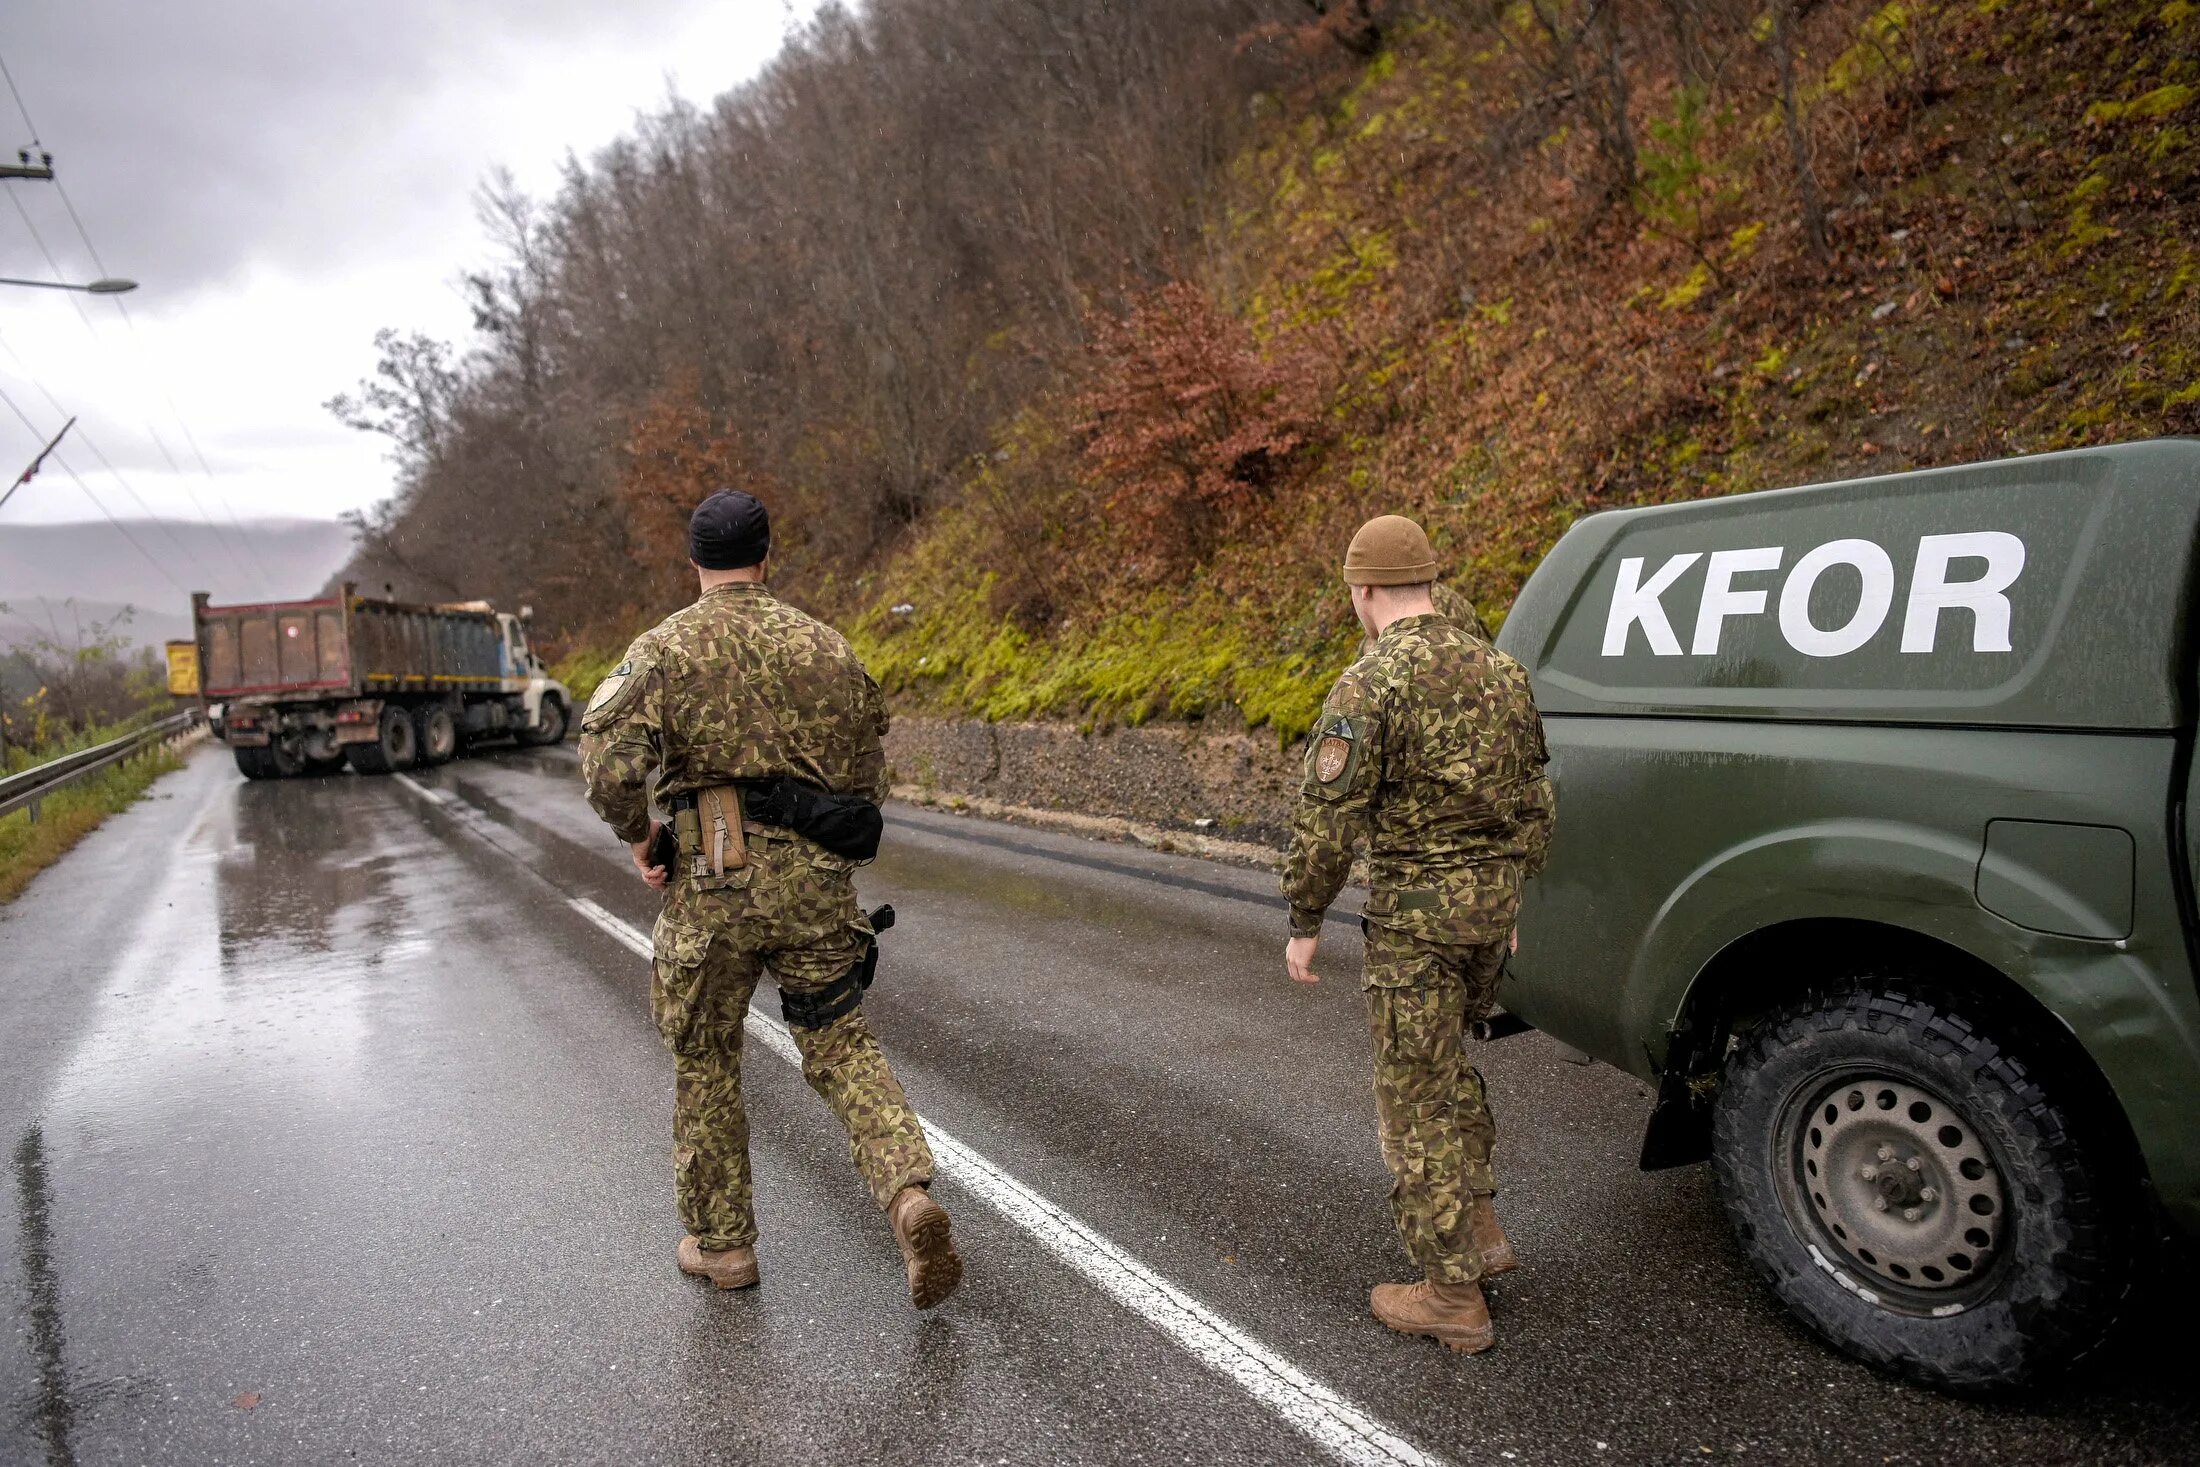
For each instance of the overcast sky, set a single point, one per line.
(283, 177)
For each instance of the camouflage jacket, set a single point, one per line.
(1454, 607)
(737, 685)
(1431, 749)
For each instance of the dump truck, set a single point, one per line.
(308, 686)
(1875, 856)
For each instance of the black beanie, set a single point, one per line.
(729, 530)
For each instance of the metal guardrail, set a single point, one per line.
(41, 780)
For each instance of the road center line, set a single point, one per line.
(433, 797)
(1328, 1419)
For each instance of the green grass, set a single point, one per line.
(1179, 658)
(68, 815)
(585, 667)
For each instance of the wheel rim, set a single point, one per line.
(1897, 1185)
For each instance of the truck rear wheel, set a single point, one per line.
(435, 734)
(550, 729)
(269, 761)
(1915, 1194)
(393, 745)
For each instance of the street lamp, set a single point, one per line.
(97, 287)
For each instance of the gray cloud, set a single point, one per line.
(284, 176)
(201, 139)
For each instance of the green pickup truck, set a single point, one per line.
(1876, 855)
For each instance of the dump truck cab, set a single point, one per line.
(1875, 855)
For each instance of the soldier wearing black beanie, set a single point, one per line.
(728, 531)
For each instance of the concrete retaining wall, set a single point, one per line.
(1235, 785)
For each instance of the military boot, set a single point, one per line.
(1453, 1314)
(728, 1268)
(1489, 1240)
(927, 1249)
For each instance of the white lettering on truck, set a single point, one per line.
(1931, 592)
(1637, 602)
(1634, 603)
(1721, 600)
(1877, 569)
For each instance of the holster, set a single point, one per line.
(819, 1007)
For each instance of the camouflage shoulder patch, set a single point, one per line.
(1333, 756)
(615, 690)
(1330, 757)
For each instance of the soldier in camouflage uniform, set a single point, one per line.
(1430, 749)
(739, 686)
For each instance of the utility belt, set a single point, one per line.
(708, 821)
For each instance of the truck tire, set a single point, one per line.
(551, 730)
(269, 761)
(1917, 1195)
(392, 748)
(435, 735)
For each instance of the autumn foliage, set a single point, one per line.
(1079, 338)
(677, 454)
(1188, 425)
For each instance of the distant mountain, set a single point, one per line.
(273, 559)
(70, 623)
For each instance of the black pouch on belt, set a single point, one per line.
(847, 825)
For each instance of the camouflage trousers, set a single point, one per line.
(794, 913)
(1432, 1114)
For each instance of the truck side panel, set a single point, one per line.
(1679, 837)
(419, 649)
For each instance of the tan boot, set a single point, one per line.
(1490, 1240)
(728, 1268)
(1453, 1314)
(927, 1248)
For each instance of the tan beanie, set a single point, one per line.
(1390, 550)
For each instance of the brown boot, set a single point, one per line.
(1453, 1314)
(728, 1268)
(927, 1249)
(1490, 1240)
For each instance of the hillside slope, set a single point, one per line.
(1423, 304)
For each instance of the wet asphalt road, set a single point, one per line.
(335, 1133)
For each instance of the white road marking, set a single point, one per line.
(436, 797)
(1337, 1425)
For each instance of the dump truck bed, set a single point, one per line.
(344, 646)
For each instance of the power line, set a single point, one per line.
(229, 509)
(182, 550)
(177, 469)
(51, 263)
(84, 433)
(76, 479)
(16, 93)
(145, 358)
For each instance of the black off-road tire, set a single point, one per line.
(268, 761)
(2056, 1203)
(435, 735)
(393, 748)
(552, 729)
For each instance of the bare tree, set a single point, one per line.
(1798, 133)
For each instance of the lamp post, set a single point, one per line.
(97, 287)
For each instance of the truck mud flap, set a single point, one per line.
(1679, 1133)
